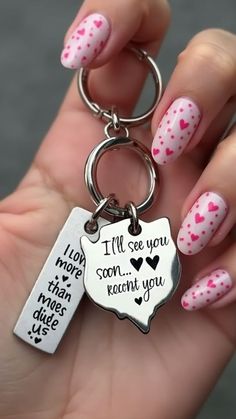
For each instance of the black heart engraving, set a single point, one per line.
(64, 278)
(137, 263)
(37, 340)
(153, 262)
(138, 300)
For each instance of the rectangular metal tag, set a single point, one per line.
(59, 287)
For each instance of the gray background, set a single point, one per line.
(32, 84)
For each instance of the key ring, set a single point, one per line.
(90, 174)
(91, 226)
(118, 123)
(82, 82)
(134, 227)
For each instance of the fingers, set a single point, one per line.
(102, 29)
(210, 209)
(202, 83)
(75, 131)
(215, 287)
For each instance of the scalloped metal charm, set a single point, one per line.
(132, 275)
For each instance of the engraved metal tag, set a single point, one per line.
(59, 287)
(132, 275)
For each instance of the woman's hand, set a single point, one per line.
(105, 368)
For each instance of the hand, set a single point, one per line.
(106, 368)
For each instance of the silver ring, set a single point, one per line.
(134, 220)
(91, 226)
(82, 82)
(110, 126)
(91, 173)
(102, 206)
(115, 119)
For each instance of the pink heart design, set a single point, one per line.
(81, 31)
(169, 151)
(199, 218)
(212, 207)
(155, 151)
(97, 23)
(183, 124)
(194, 237)
(185, 304)
(211, 284)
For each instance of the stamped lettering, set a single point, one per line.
(132, 275)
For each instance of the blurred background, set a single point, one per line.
(33, 83)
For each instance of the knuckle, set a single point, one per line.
(208, 50)
(155, 14)
(212, 35)
(216, 58)
(226, 150)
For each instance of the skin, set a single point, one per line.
(104, 367)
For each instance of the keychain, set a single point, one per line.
(126, 266)
(133, 267)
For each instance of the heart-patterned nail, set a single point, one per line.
(201, 223)
(207, 290)
(86, 42)
(175, 130)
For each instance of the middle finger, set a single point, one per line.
(201, 85)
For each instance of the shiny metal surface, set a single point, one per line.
(59, 287)
(132, 276)
(90, 174)
(106, 114)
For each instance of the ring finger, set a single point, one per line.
(210, 209)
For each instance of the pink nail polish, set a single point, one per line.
(86, 42)
(201, 223)
(175, 130)
(207, 290)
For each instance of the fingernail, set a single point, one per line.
(201, 223)
(86, 42)
(175, 130)
(207, 290)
